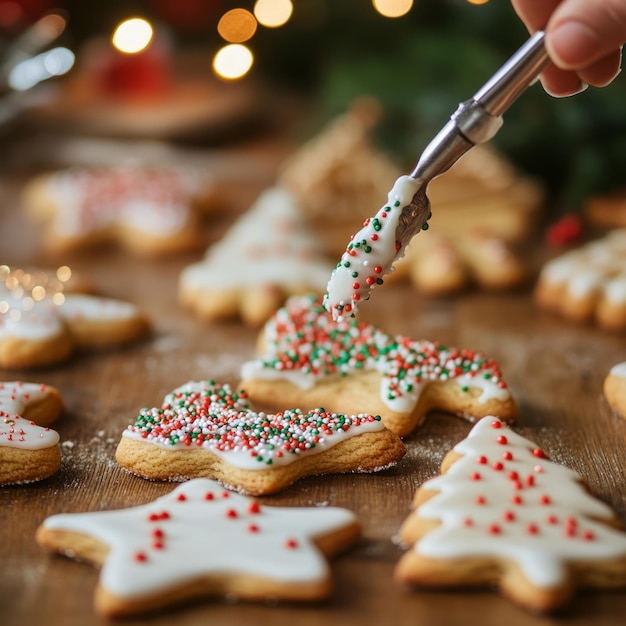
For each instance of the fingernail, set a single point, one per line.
(572, 44)
(582, 87)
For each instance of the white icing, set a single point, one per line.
(597, 268)
(269, 245)
(305, 327)
(77, 306)
(15, 431)
(542, 555)
(153, 201)
(200, 538)
(235, 433)
(619, 369)
(379, 234)
(43, 320)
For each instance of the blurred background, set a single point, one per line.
(209, 72)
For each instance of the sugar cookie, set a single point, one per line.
(588, 283)
(147, 210)
(309, 360)
(266, 256)
(502, 513)
(199, 541)
(615, 388)
(42, 325)
(28, 452)
(204, 429)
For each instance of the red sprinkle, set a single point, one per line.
(291, 544)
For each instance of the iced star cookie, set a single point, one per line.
(199, 541)
(588, 283)
(615, 388)
(29, 451)
(40, 324)
(268, 255)
(307, 359)
(203, 429)
(502, 513)
(147, 210)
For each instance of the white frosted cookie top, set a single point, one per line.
(504, 499)
(370, 254)
(598, 267)
(199, 529)
(304, 345)
(210, 416)
(268, 245)
(153, 200)
(15, 431)
(77, 306)
(619, 369)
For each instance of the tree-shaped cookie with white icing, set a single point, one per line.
(502, 513)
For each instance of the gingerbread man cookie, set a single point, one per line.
(615, 388)
(200, 541)
(502, 513)
(204, 429)
(40, 324)
(28, 451)
(267, 255)
(147, 210)
(309, 360)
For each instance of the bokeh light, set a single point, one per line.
(273, 13)
(393, 8)
(133, 35)
(237, 25)
(477, 1)
(233, 61)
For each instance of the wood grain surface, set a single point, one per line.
(555, 370)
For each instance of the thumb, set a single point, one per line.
(581, 32)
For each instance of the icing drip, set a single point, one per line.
(304, 345)
(199, 529)
(210, 416)
(369, 255)
(504, 498)
(15, 431)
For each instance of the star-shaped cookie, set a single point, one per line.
(204, 429)
(200, 541)
(307, 359)
(150, 211)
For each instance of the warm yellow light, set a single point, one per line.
(237, 25)
(273, 13)
(393, 8)
(478, 1)
(64, 273)
(233, 61)
(133, 35)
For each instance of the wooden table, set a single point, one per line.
(555, 370)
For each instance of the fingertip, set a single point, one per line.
(572, 45)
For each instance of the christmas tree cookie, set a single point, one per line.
(502, 513)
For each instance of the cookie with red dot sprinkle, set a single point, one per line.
(176, 549)
(205, 429)
(307, 359)
(29, 449)
(501, 513)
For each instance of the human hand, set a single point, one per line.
(583, 38)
